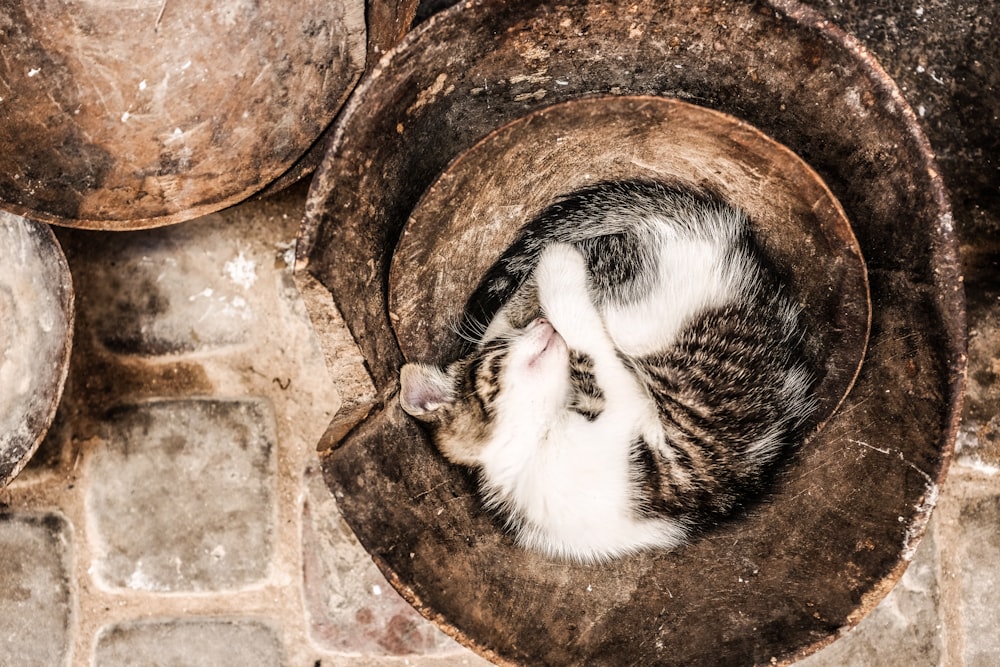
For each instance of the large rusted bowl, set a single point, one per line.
(36, 333)
(846, 513)
(121, 115)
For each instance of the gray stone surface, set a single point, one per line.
(904, 630)
(181, 495)
(979, 558)
(173, 289)
(36, 593)
(189, 643)
(351, 607)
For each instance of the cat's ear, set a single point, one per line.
(424, 390)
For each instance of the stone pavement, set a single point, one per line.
(175, 514)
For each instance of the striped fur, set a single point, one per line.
(638, 374)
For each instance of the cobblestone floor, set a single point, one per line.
(175, 514)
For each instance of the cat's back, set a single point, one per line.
(679, 254)
(645, 242)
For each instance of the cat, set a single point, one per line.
(637, 372)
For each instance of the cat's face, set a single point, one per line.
(513, 387)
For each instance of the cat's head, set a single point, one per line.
(511, 387)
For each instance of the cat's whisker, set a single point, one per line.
(471, 331)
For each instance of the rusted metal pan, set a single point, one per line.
(448, 146)
(123, 115)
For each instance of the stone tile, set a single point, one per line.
(181, 495)
(978, 556)
(978, 445)
(35, 590)
(350, 605)
(175, 289)
(189, 643)
(904, 630)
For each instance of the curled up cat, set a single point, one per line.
(637, 372)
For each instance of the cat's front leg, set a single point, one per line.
(601, 379)
(564, 295)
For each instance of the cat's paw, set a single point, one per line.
(564, 295)
(561, 273)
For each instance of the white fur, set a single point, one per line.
(693, 274)
(569, 478)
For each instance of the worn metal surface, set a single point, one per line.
(387, 23)
(126, 115)
(848, 510)
(945, 56)
(36, 333)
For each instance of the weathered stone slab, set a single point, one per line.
(181, 495)
(978, 445)
(36, 594)
(351, 607)
(978, 554)
(189, 643)
(152, 294)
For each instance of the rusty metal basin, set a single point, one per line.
(122, 115)
(36, 333)
(847, 511)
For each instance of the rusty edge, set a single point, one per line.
(321, 188)
(351, 415)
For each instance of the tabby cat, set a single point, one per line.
(637, 372)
